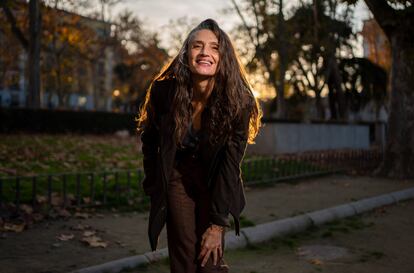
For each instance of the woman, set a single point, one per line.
(197, 118)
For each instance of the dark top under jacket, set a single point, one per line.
(221, 160)
(190, 143)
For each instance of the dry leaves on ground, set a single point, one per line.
(65, 237)
(316, 262)
(80, 227)
(88, 233)
(94, 241)
(82, 215)
(13, 227)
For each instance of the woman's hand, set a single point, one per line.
(211, 244)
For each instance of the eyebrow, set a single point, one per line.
(201, 42)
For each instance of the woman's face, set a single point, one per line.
(203, 57)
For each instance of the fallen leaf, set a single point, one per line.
(381, 210)
(88, 233)
(71, 197)
(81, 215)
(65, 237)
(41, 199)
(38, 217)
(316, 262)
(26, 208)
(14, 227)
(56, 200)
(94, 241)
(80, 227)
(63, 213)
(121, 244)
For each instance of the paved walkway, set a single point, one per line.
(381, 241)
(38, 250)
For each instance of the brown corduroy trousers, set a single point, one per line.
(188, 218)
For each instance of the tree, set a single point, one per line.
(140, 59)
(363, 82)
(315, 66)
(31, 46)
(35, 28)
(178, 30)
(396, 18)
(267, 34)
(70, 45)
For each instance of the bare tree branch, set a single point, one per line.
(248, 29)
(14, 27)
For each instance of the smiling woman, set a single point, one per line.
(198, 116)
(204, 54)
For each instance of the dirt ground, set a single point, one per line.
(38, 249)
(381, 241)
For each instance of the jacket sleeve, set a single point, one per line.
(150, 142)
(227, 185)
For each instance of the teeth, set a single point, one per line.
(204, 62)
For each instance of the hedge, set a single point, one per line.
(64, 121)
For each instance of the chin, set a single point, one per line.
(204, 73)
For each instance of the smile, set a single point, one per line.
(204, 62)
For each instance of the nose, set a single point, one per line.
(204, 51)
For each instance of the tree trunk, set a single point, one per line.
(33, 100)
(332, 103)
(398, 26)
(399, 153)
(339, 93)
(281, 102)
(335, 89)
(320, 109)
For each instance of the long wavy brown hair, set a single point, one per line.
(230, 94)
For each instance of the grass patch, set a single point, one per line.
(371, 255)
(346, 225)
(28, 154)
(244, 222)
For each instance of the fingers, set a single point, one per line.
(206, 252)
(202, 252)
(210, 244)
(215, 256)
(220, 252)
(203, 263)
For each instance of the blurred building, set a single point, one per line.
(93, 82)
(376, 45)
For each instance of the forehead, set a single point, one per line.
(204, 35)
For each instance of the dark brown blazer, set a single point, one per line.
(222, 162)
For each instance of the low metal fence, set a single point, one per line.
(72, 189)
(123, 186)
(262, 170)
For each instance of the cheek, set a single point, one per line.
(217, 57)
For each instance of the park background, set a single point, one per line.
(334, 79)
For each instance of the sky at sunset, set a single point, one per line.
(157, 13)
